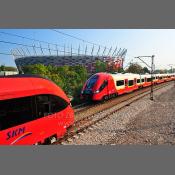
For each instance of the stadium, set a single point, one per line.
(87, 61)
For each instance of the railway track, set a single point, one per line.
(88, 118)
(79, 109)
(93, 108)
(82, 107)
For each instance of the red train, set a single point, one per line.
(103, 86)
(33, 110)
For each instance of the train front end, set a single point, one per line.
(33, 110)
(95, 87)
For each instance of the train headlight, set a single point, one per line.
(96, 92)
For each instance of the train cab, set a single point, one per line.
(98, 87)
(33, 110)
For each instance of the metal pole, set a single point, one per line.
(98, 51)
(92, 50)
(19, 52)
(56, 49)
(104, 52)
(23, 52)
(152, 71)
(34, 50)
(118, 52)
(64, 50)
(109, 51)
(41, 49)
(28, 51)
(114, 51)
(49, 49)
(79, 50)
(85, 50)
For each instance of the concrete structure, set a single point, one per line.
(5, 73)
(87, 61)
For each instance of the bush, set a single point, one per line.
(69, 78)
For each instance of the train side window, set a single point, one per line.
(148, 79)
(43, 105)
(120, 82)
(143, 80)
(104, 84)
(138, 80)
(18, 111)
(14, 112)
(57, 104)
(131, 82)
(49, 104)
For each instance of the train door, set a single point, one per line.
(111, 86)
(135, 83)
(126, 85)
(145, 81)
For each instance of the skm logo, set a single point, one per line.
(15, 133)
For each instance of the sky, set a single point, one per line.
(138, 42)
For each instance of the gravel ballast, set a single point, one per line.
(143, 122)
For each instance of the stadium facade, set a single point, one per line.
(87, 61)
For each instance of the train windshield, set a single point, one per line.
(18, 111)
(92, 82)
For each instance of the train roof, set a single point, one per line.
(125, 75)
(130, 75)
(16, 86)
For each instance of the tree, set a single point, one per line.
(81, 71)
(37, 69)
(70, 78)
(161, 71)
(56, 79)
(2, 68)
(7, 68)
(121, 70)
(135, 68)
(100, 66)
(145, 70)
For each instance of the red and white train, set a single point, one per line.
(33, 110)
(102, 86)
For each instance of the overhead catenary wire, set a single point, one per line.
(80, 39)
(32, 39)
(83, 40)
(32, 46)
(37, 48)
(36, 40)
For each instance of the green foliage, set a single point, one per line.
(145, 70)
(135, 68)
(69, 78)
(100, 66)
(7, 68)
(121, 70)
(162, 71)
(38, 69)
(2, 68)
